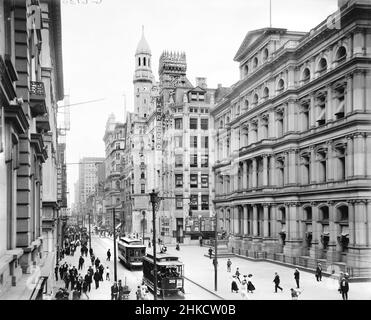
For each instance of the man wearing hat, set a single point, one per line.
(344, 286)
(319, 272)
(297, 277)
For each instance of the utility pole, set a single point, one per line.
(154, 199)
(114, 245)
(216, 252)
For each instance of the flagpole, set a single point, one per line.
(270, 13)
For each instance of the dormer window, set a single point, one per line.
(306, 75)
(265, 54)
(246, 69)
(322, 66)
(341, 54)
(266, 93)
(255, 99)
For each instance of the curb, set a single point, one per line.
(209, 291)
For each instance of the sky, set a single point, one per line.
(99, 39)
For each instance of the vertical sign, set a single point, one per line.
(158, 124)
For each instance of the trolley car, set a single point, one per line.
(170, 273)
(131, 252)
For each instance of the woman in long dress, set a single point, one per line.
(244, 288)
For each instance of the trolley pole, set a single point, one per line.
(153, 196)
(216, 252)
(114, 244)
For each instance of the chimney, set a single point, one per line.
(201, 82)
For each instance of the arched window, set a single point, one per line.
(280, 85)
(255, 62)
(142, 175)
(266, 93)
(306, 75)
(246, 104)
(246, 70)
(322, 65)
(139, 61)
(144, 61)
(255, 99)
(149, 62)
(341, 54)
(265, 54)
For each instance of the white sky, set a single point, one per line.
(99, 43)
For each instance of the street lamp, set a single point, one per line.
(216, 252)
(154, 200)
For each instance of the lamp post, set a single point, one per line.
(144, 214)
(114, 245)
(154, 199)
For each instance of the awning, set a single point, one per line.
(321, 116)
(345, 234)
(340, 108)
(118, 226)
(326, 234)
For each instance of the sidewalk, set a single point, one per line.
(200, 269)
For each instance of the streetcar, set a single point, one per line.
(170, 273)
(131, 252)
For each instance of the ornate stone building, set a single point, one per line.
(292, 180)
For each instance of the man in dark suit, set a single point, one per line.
(277, 281)
(319, 272)
(297, 277)
(96, 279)
(344, 287)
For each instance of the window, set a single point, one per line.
(341, 54)
(340, 102)
(266, 93)
(321, 109)
(144, 61)
(142, 175)
(204, 160)
(280, 85)
(193, 141)
(205, 202)
(179, 202)
(255, 99)
(132, 188)
(265, 54)
(178, 160)
(193, 160)
(117, 146)
(139, 65)
(178, 142)
(178, 123)
(194, 202)
(194, 180)
(204, 180)
(322, 66)
(201, 97)
(204, 124)
(193, 123)
(178, 180)
(255, 62)
(246, 70)
(306, 75)
(205, 142)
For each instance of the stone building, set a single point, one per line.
(292, 180)
(185, 151)
(31, 85)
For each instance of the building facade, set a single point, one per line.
(292, 182)
(32, 83)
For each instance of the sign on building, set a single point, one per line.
(158, 124)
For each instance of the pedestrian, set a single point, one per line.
(67, 280)
(238, 274)
(108, 255)
(88, 280)
(344, 287)
(81, 262)
(297, 277)
(107, 274)
(97, 262)
(96, 279)
(85, 287)
(139, 293)
(61, 271)
(319, 272)
(295, 294)
(91, 251)
(75, 294)
(244, 288)
(56, 269)
(114, 291)
(277, 281)
(121, 291)
(92, 259)
(177, 246)
(250, 286)
(149, 244)
(210, 252)
(200, 241)
(229, 263)
(101, 271)
(234, 287)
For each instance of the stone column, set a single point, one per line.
(349, 95)
(265, 170)
(359, 155)
(271, 124)
(313, 172)
(316, 229)
(244, 174)
(254, 173)
(255, 220)
(359, 91)
(368, 224)
(351, 217)
(291, 116)
(292, 166)
(329, 111)
(330, 162)
(245, 229)
(368, 154)
(286, 170)
(235, 176)
(236, 224)
(349, 157)
(312, 116)
(265, 222)
(272, 171)
(360, 222)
